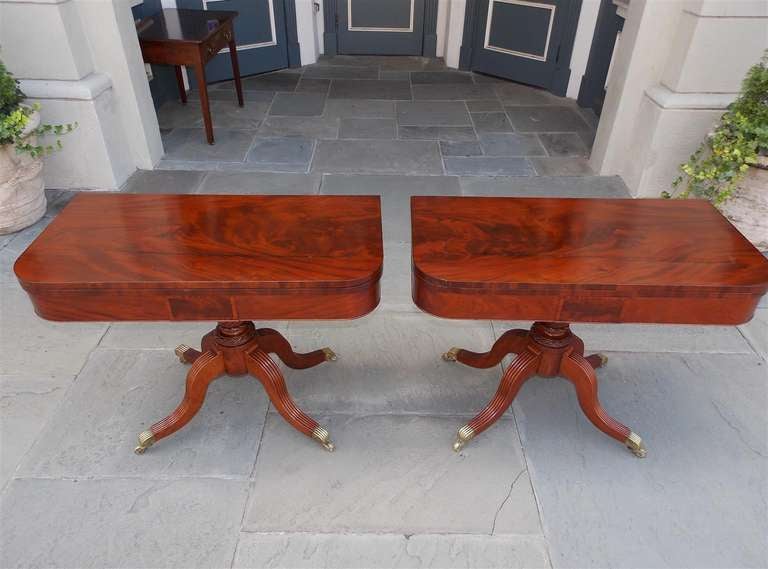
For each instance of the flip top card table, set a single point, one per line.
(557, 261)
(231, 259)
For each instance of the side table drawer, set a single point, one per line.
(217, 42)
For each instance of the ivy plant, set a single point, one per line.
(715, 169)
(15, 116)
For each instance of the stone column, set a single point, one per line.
(80, 60)
(679, 64)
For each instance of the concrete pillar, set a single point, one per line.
(79, 59)
(678, 66)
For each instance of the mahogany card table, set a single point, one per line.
(557, 261)
(231, 259)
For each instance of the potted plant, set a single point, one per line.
(730, 168)
(22, 195)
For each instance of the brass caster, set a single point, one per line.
(180, 351)
(146, 440)
(635, 444)
(450, 355)
(330, 355)
(324, 438)
(463, 436)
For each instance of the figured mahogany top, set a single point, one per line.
(171, 25)
(213, 242)
(621, 247)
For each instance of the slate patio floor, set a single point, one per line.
(239, 488)
(386, 115)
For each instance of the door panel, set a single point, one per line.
(259, 33)
(521, 40)
(393, 27)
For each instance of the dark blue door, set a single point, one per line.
(259, 33)
(381, 27)
(528, 42)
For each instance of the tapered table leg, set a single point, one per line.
(261, 366)
(180, 83)
(206, 368)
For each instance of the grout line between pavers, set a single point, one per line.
(52, 413)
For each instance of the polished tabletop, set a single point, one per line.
(582, 249)
(182, 25)
(159, 245)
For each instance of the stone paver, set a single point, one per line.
(756, 332)
(390, 473)
(376, 551)
(488, 166)
(121, 393)
(265, 183)
(163, 182)
(121, 522)
(26, 404)
(44, 348)
(404, 374)
(429, 113)
(377, 156)
(697, 500)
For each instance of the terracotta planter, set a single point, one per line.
(748, 207)
(22, 197)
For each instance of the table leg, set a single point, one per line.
(180, 83)
(202, 86)
(272, 342)
(547, 349)
(206, 368)
(237, 348)
(236, 70)
(581, 373)
(511, 342)
(521, 369)
(266, 371)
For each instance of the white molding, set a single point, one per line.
(668, 99)
(85, 89)
(352, 28)
(551, 7)
(247, 46)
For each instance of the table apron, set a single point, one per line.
(185, 305)
(721, 308)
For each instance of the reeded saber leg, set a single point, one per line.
(272, 341)
(519, 371)
(206, 368)
(510, 342)
(581, 373)
(186, 354)
(266, 371)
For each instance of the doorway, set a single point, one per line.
(374, 27)
(524, 41)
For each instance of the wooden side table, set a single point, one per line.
(231, 259)
(192, 38)
(556, 261)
